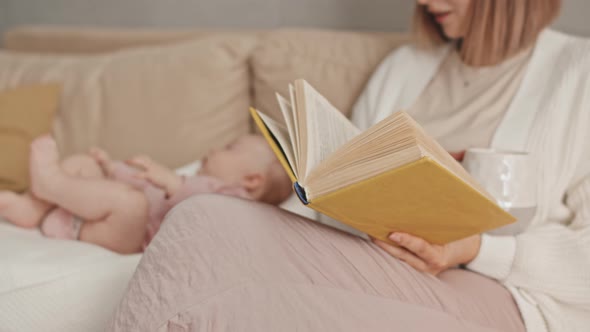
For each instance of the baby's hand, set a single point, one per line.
(143, 163)
(103, 159)
(157, 174)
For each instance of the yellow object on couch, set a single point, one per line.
(25, 113)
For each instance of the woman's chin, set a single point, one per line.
(452, 34)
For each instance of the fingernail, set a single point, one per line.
(395, 237)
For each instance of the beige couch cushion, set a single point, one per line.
(338, 64)
(171, 102)
(91, 40)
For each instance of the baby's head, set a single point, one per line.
(249, 162)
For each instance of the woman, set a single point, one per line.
(492, 76)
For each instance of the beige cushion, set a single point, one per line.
(338, 64)
(25, 113)
(171, 102)
(90, 40)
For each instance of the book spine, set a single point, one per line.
(300, 193)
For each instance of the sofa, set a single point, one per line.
(169, 94)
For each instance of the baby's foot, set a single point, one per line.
(21, 210)
(44, 167)
(60, 224)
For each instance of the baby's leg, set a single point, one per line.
(23, 210)
(114, 213)
(27, 210)
(89, 198)
(124, 229)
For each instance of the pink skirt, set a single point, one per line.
(226, 264)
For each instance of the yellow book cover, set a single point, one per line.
(421, 197)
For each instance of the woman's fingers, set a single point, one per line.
(419, 247)
(403, 255)
(431, 258)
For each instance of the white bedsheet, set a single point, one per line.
(51, 285)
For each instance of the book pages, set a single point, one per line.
(326, 128)
(289, 116)
(281, 134)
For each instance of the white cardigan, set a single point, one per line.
(546, 268)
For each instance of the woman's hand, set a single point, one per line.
(431, 258)
(160, 176)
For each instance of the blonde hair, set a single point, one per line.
(495, 29)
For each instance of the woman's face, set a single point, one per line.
(449, 14)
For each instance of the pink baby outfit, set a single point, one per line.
(159, 204)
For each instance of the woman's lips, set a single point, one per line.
(441, 17)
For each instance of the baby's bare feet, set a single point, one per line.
(21, 210)
(44, 167)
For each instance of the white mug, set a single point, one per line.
(510, 177)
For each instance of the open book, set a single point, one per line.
(391, 177)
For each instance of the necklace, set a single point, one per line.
(466, 80)
(465, 83)
(463, 75)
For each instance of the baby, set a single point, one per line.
(120, 206)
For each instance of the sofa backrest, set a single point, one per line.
(337, 63)
(52, 39)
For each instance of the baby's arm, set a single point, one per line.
(159, 175)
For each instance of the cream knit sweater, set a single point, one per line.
(546, 268)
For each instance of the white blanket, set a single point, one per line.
(50, 285)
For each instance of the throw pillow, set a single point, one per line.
(25, 113)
